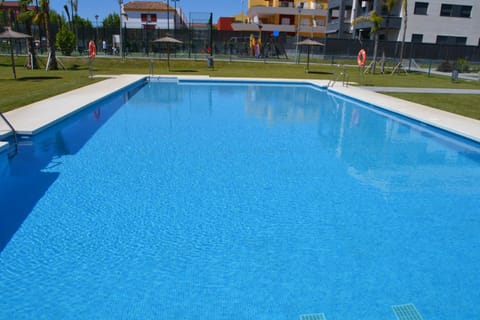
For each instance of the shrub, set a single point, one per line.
(445, 66)
(462, 65)
(65, 41)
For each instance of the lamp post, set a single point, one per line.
(96, 27)
(168, 16)
(299, 7)
(120, 3)
(175, 17)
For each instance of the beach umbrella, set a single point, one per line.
(10, 36)
(168, 40)
(309, 43)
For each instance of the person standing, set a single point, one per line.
(104, 47)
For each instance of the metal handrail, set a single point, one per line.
(343, 73)
(13, 131)
(150, 69)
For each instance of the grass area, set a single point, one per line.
(34, 85)
(468, 106)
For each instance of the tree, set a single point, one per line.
(83, 23)
(404, 6)
(111, 21)
(44, 17)
(26, 16)
(376, 20)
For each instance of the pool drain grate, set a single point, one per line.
(407, 312)
(315, 316)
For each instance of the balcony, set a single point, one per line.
(238, 26)
(269, 11)
(336, 3)
(393, 23)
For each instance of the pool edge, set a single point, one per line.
(460, 125)
(25, 120)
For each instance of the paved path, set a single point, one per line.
(464, 76)
(423, 90)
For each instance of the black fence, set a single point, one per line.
(200, 40)
(391, 49)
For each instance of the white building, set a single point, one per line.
(152, 15)
(444, 22)
(428, 21)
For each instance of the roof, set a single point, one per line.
(146, 6)
(14, 5)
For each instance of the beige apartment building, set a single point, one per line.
(307, 18)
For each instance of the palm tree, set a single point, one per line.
(44, 16)
(376, 20)
(404, 6)
(26, 16)
(389, 5)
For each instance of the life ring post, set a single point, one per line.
(92, 52)
(362, 58)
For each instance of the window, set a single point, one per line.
(417, 37)
(465, 11)
(149, 17)
(451, 40)
(421, 8)
(458, 11)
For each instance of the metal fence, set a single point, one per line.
(196, 41)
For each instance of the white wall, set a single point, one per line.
(433, 24)
(135, 21)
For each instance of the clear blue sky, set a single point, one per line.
(87, 9)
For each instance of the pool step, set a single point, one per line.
(314, 316)
(407, 312)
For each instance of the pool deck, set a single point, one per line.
(36, 117)
(458, 124)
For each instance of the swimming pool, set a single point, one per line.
(210, 200)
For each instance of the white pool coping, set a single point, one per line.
(461, 125)
(40, 115)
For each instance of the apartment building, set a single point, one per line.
(428, 21)
(308, 18)
(444, 22)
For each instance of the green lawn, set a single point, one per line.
(34, 85)
(464, 104)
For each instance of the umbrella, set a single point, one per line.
(11, 35)
(168, 40)
(309, 43)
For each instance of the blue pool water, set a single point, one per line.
(206, 200)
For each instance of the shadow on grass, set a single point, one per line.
(183, 70)
(319, 72)
(77, 67)
(38, 78)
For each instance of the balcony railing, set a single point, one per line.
(289, 28)
(336, 3)
(393, 23)
(266, 11)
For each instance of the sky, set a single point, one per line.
(87, 9)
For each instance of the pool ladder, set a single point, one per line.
(15, 140)
(150, 68)
(340, 72)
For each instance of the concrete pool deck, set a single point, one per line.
(37, 116)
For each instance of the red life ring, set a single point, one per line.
(92, 49)
(362, 58)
